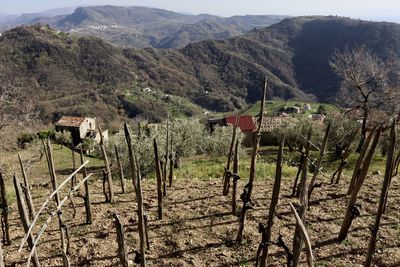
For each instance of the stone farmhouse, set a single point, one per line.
(80, 128)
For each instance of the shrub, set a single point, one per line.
(189, 138)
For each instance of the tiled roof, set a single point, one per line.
(70, 121)
(272, 123)
(246, 123)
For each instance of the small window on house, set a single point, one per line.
(90, 125)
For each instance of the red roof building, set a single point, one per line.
(246, 123)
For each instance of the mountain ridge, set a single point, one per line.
(141, 27)
(220, 75)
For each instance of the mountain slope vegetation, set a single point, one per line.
(142, 26)
(64, 73)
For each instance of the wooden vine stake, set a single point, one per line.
(352, 210)
(171, 159)
(166, 158)
(159, 180)
(319, 161)
(53, 176)
(26, 189)
(300, 168)
(88, 207)
(5, 211)
(73, 180)
(107, 166)
(235, 177)
(226, 178)
(264, 246)
(23, 214)
(122, 249)
(246, 195)
(382, 201)
(1, 256)
(136, 179)
(303, 232)
(343, 161)
(121, 170)
(360, 159)
(302, 190)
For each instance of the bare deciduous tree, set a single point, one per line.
(14, 110)
(366, 84)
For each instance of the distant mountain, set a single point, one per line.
(85, 75)
(10, 21)
(144, 27)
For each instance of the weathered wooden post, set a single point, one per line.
(226, 179)
(27, 189)
(121, 170)
(303, 232)
(136, 179)
(272, 208)
(236, 177)
(24, 218)
(1, 256)
(171, 159)
(73, 180)
(57, 199)
(304, 166)
(105, 193)
(166, 157)
(246, 196)
(343, 160)
(319, 161)
(159, 180)
(5, 211)
(360, 159)
(88, 206)
(300, 168)
(146, 227)
(352, 211)
(382, 201)
(303, 191)
(107, 166)
(171, 169)
(122, 249)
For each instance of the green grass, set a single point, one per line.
(63, 160)
(273, 107)
(178, 107)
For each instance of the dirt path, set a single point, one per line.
(198, 228)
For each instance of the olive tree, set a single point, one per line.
(189, 137)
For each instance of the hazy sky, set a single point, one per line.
(354, 8)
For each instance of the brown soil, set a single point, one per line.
(199, 230)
